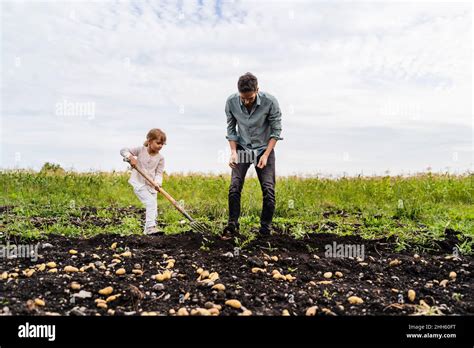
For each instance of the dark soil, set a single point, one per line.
(382, 287)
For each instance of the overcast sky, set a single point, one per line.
(363, 87)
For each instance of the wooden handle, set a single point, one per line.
(164, 193)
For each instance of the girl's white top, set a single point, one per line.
(153, 165)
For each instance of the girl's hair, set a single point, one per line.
(155, 134)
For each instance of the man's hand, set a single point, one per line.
(263, 161)
(233, 159)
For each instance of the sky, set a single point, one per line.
(369, 88)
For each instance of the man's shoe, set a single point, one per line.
(264, 231)
(230, 231)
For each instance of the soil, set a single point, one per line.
(381, 279)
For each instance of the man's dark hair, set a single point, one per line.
(247, 83)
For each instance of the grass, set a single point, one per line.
(415, 210)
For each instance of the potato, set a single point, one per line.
(41, 267)
(289, 277)
(51, 264)
(327, 275)
(274, 258)
(219, 287)
(5, 275)
(120, 271)
(53, 270)
(285, 313)
(182, 312)
(395, 262)
(277, 276)
(233, 303)
(170, 264)
(204, 274)
(214, 276)
(167, 275)
(102, 305)
(73, 252)
(70, 269)
(246, 313)
(75, 286)
(325, 282)
(39, 302)
(452, 275)
(411, 295)
(159, 277)
(311, 311)
(214, 311)
(137, 271)
(355, 300)
(443, 283)
(113, 246)
(106, 291)
(200, 311)
(256, 270)
(199, 270)
(338, 274)
(126, 254)
(112, 298)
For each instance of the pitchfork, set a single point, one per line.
(195, 225)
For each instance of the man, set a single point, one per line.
(253, 128)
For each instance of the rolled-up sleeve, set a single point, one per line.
(274, 117)
(231, 124)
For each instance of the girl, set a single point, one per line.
(149, 159)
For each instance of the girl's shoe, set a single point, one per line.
(152, 230)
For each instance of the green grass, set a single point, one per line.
(415, 210)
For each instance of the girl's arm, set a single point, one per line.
(160, 168)
(126, 152)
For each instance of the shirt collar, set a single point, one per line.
(258, 100)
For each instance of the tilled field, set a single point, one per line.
(192, 274)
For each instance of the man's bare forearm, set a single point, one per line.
(271, 144)
(233, 146)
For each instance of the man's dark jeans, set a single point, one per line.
(266, 177)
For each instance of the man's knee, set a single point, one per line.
(236, 186)
(268, 190)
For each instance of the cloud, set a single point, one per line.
(335, 67)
